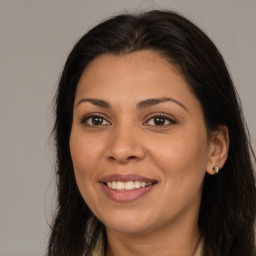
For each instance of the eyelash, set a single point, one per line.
(164, 117)
(90, 116)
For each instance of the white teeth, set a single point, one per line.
(113, 185)
(137, 184)
(129, 185)
(120, 185)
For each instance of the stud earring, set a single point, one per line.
(216, 169)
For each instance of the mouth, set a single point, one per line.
(127, 186)
(124, 188)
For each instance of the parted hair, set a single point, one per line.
(228, 207)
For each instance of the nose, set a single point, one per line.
(125, 145)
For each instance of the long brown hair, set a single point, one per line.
(228, 207)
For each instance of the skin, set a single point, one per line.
(129, 140)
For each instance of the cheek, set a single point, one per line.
(182, 157)
(84, 157)
(83, 152)
(85, 162)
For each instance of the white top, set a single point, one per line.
(98, 251)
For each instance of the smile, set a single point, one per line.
(126, 186)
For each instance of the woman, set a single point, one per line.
(153, 156)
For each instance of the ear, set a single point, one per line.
(219, 145)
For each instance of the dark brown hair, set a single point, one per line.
(228, 207)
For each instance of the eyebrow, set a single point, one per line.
(96, 102)
(141, 105)
(151, 102)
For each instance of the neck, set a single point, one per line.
(179, 238)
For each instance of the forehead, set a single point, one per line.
(139, 68)
(133, 77)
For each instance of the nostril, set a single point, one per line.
(123, 159)
(111, 158)
(131, 157)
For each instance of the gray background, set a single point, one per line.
(35, 39)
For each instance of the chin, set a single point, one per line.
(125, 223)
(128, 228)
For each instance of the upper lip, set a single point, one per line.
(125, 178)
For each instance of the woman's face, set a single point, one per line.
(138, 142)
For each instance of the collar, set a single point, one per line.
(99, 251)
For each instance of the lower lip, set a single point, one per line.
(126, 196)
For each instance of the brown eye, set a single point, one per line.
(97, 120)
(94, 120)
(159, 120)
